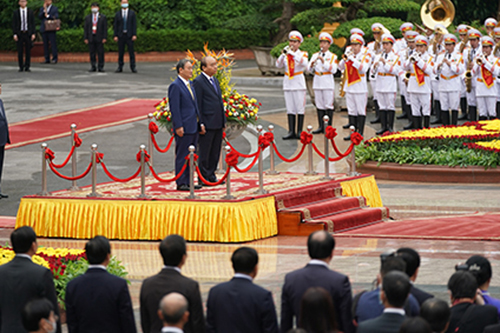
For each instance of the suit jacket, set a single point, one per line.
(16, 22)
(4, 126)
(210, 103)
(240, 306)
(420, 295)
(53, 14)
(492, 329)
(22, 281)
(102, 28)
(297, 282)
(473, 321)
(131, 23)
(182, 106)
(157, 286)
(386, 323)
(99, 302)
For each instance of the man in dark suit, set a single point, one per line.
(4, 139)
(239, 305)
(412, 259)
(48, 12)
(22, 280)
(317, 273)
(437, 313)
(467, 317)
(98, 301)
(211, 107)
(173, 312)
(395, 290)
(125, 27)
(95, 34)
(170, 279)
(185, 119)
(23, 28)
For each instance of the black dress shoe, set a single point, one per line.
(27, 70)
(5, 196)
(54, 61)
(92, 70)
(102, 71)
(134, 70)
(45, 62)
(183, 187)
(21, 70)
(119, 70)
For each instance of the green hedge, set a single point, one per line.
(71, 40)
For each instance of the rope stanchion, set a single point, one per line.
(95, 157)
(271, 171)
(231, 160)
(222, 158)
(306, 138)
(151, 129)
(191, 195)
(355, 141)
(327, 151)
(85, 173)
(44, 191)
(263, 144)
(75, 142)
(144, 156)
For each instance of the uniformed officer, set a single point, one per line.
(436, 49)
(449, 66)
(401, 42)
(496, 34)
(490, 24)
(375, 48)
(475, 49)
(485, 70)
(462, 30)
(295, 62)
(323, 65)
(410, 37)
(356, 65)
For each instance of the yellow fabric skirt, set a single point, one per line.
(365, 187)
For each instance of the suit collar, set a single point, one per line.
(24, 256)
(244, 277)
(317, 262)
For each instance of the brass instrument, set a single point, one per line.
(496, 49)
(419, 28)
(407, 77)
(343, 77)
(285, 49)
(463, 44)
(479, 60)
(414, 57)
(377, 46)
(435, 12)
(468, 75)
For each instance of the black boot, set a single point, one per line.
(427, 121)
(300, 124)
(454, 117)
(445, 117)
(437, 108)
(353, 121)
(320, 129)
(411, 123)
(390, 120)
(463, 108)
(498, 110)
(483, 118)
(417, 122)
(472, 113)
(377, 113)
(404, 108)
(329, 113)
(383, 122)
(291, 128)
(361, 124)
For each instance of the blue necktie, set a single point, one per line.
(213, 83)
(125, 21)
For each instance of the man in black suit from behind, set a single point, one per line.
(467, 317)
(211, 107)
(412, 259)
(239, 305)
(170, 279)
(125, 28)
(173, 312)
(95, 34)
(98, 301)
(395, 290)
(317, 273)
(21, 280)
(23, 29)
(437, 313)
(4, 139)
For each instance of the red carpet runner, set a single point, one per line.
(469, 227)
(89, 119)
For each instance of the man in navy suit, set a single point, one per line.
(239, 305)
(48, 12)
(317, 273)
(185, 119)
(125, 28)
(4, 139)
(95, 34)
(23, 29)
(211, 107)
(412, 259)
(98, 301)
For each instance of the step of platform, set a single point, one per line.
(326, 207)
(353, 219)
(306, 195)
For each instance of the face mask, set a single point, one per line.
(54, 327)
(95, 10)
(124, 5)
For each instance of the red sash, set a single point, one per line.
(488, 78)
(291, 65)
(352, 74)
(419, 75)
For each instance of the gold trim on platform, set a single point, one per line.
(366, 187)
(307, 214)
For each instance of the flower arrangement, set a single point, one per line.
(239, 109)
(473, 143)
(65, 265)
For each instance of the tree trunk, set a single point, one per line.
(284, 22)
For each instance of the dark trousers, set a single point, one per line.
(2, 151)
(24, 46)
(49, 37)
(98, 47)
(181, 151)
(122, 41)
(209, 153)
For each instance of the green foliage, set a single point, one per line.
(390, 6)
(310, 45)
(392, 24)
(314, 19)
(468, 10)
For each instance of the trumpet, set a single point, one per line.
(285, 49)
(346, 55)
(415, 57)
(480, 60)
(468, 75)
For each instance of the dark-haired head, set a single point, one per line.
(412, 259)
(480, 267)
(181, 64)
(437, 313)
(98, 250)
(415, 325)
(23, 239)
(392, 264)
(34, 311)
(244, 260)
(317, 313)
(320, 245)
(462, 284)
(94, 4)
(173, 309)
(396, 286)
(173, 250)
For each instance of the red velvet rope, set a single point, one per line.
(232, 158)
(286, 159)
(99, 157)
(153, 127)
(333, 159)
(77, 140)
(356, 138)
(146, 156)
(240, 154)
(306, 138)
(124, 180)
(330, 132)
(71, 178)
(249, 167)
(200, 176)
(194, 156)
(49, 154)
(158, 148)
(52, 156)
(168, 180)
(266, 140)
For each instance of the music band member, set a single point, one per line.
(484, 71)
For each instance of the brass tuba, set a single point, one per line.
(435, 12)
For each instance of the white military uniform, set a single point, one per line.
(373, 78)
(450, 83)
(323, 82)
(294, 86)
(420, 96)
(486, 97)
(387, 79)
(469, 55)
(357, 93)
(434, 77)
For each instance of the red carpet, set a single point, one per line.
(89, 119)
(469, 227)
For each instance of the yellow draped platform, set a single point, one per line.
(195, 220)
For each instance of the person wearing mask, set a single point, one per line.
(48, 12)
(38, 316)
(95, 34)
(125, 33)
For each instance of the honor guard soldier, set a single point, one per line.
(375, 48)
(295, 62)
(323, 65)
(496, 34)
(489, 25)
(469, 55)
(462, 30)
(401, 42)
(420, 65)
(355, 65)
(387, 68)
(450, 67)
(485, 70)
(436, 49)
(404, 54)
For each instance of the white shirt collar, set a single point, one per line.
(172, 329)
(186, 82)
(175, 268)
(97, 266)
(207, 76)
(243, 276)
(394, 310)
(24, 255)
(318, 262)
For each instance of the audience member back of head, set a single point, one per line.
(412, 259)
(437, 313)
(415, 325)
(317, 314)
(38, 316)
